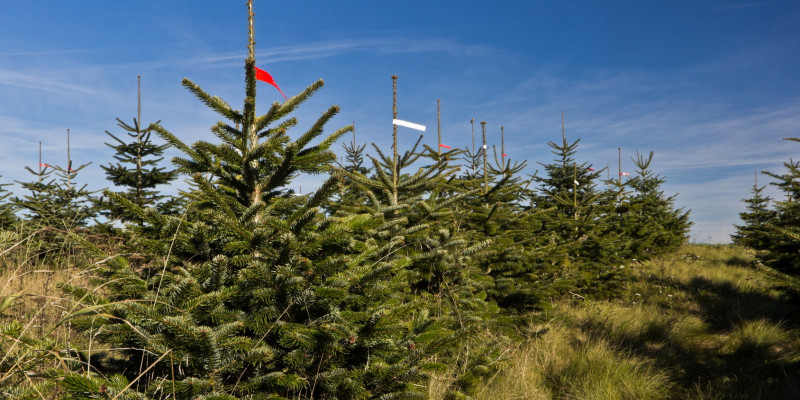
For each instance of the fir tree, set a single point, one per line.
(496, 210)
(137, 168)
(755, 232)
(7, 209)
(420, 225)
(784, 245)
(655, 226)
(261, 295)
(57, 201)
(572, 231)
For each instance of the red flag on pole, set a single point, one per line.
(445, 146)
(266, 77)
(624, 174)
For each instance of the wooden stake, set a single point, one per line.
(503, 148)
(139, 141)
(69, 163)
(619, 172)
(395, 170)
(40, 161)
(472, 124)
(138, 101)
(485, 175)
(439, 126)
(502, 142)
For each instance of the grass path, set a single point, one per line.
(699, 324)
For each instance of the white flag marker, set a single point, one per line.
(400, 122)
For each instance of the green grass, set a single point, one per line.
(703, 323)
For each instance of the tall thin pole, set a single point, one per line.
(619, 172)
(395, 170)
(40, 161)
(485, 175)
(755, 175)
(563, 129)
(472, 124)
(69, 163)
(502, 142)
(139, 100)
(503, 148)
(139, 140)
(439, 125)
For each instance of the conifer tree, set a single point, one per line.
(260, 294)
(784, 244)
(354, 162)
(755, 232)
(568, 187)
(496, 210)
(57, 201)
(655, 226)
(419, 218)
(7, 209)
(137, 168)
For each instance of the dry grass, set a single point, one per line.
(31, 306)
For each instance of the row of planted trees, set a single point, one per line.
(398, 266)
(770, 226)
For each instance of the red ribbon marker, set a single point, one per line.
(266, 77)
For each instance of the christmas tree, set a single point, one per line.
(137, 168)
(755, 232)
(258, 293)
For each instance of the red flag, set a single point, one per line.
(266, 77)
(45, 165)
(590, 169)
(445, 146)
(505, 155)
(624, 174)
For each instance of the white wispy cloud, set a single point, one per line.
(41, 81)
(333, 48)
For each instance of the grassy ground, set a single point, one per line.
(699, 324)
(703, 323)
(31, 305)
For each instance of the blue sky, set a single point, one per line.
(710, 87)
